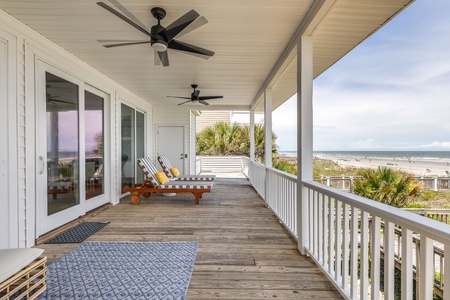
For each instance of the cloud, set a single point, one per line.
(391, 92)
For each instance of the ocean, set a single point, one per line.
(435, 156)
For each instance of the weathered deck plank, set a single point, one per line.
(243, 253)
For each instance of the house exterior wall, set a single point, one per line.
(174, 116)
(23, 51)
(209, 118)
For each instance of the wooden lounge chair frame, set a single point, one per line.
(150, 186)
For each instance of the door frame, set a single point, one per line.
(104, 198)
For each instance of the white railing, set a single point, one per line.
(346, 183)
(348, 235)
(343, 229)
(246, 166)
(281, 197)
(258, 178)
(338, 235)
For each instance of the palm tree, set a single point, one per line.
(231, 139)
(388, 186)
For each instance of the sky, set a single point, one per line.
(392, 92)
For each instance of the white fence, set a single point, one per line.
(348, 235)
(345, 183)
(220, 164)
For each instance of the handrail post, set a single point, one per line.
(304, 135)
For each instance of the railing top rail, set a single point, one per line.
(283, 174)
(431, 228)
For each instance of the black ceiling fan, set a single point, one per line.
(195, 97)
(161, 38)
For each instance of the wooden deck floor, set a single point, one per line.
(243, 253)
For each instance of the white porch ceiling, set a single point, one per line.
(247, 36)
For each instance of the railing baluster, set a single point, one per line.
(364, 251)
(338, 242)
(375, 257)
(345, 246)
(320, 228)
(446, 278)
(426, 268)
(325, 232)
(389, 267)
(407, 269)
(354, 253)
(331, 236)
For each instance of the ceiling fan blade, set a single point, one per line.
(126, 44)
(127, 13)
(118, 41)
(184, 102)
(203, 102)
(164, 57)
(156, 58)
(60, 101)
(181, 23)
(185, 47)
(179, 97)
(124, 18)
(209, 97)
(200, 21)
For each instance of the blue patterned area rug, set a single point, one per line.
(123, 270)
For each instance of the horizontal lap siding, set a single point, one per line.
(221, 164)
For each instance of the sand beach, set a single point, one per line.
(427, 163)
(417, 166)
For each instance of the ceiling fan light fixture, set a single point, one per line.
(159, 46)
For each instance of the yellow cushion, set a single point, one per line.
(175, 172)
(162, 177)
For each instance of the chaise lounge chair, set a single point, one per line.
(152, 185)
(168, 169)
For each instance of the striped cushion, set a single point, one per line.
(149, 170)
(196, 177)
(165, 165)
(186, 185)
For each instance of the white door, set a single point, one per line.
(171, 143)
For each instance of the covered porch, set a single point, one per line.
(244, 252)
(299, 246)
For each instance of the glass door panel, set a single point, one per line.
(128, 146)
(94, 154)
(140, 143)
(62, 144)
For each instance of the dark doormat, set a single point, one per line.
(78, 233)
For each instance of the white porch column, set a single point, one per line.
(252, 135)
(268, 127)
(304, 135)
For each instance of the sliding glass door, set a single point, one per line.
(70, 149)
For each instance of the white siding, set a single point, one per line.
(24, 48)
(209, 118)
(8, 148)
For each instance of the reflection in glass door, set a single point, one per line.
(62, 144)
(94, 153)
(133, 145)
